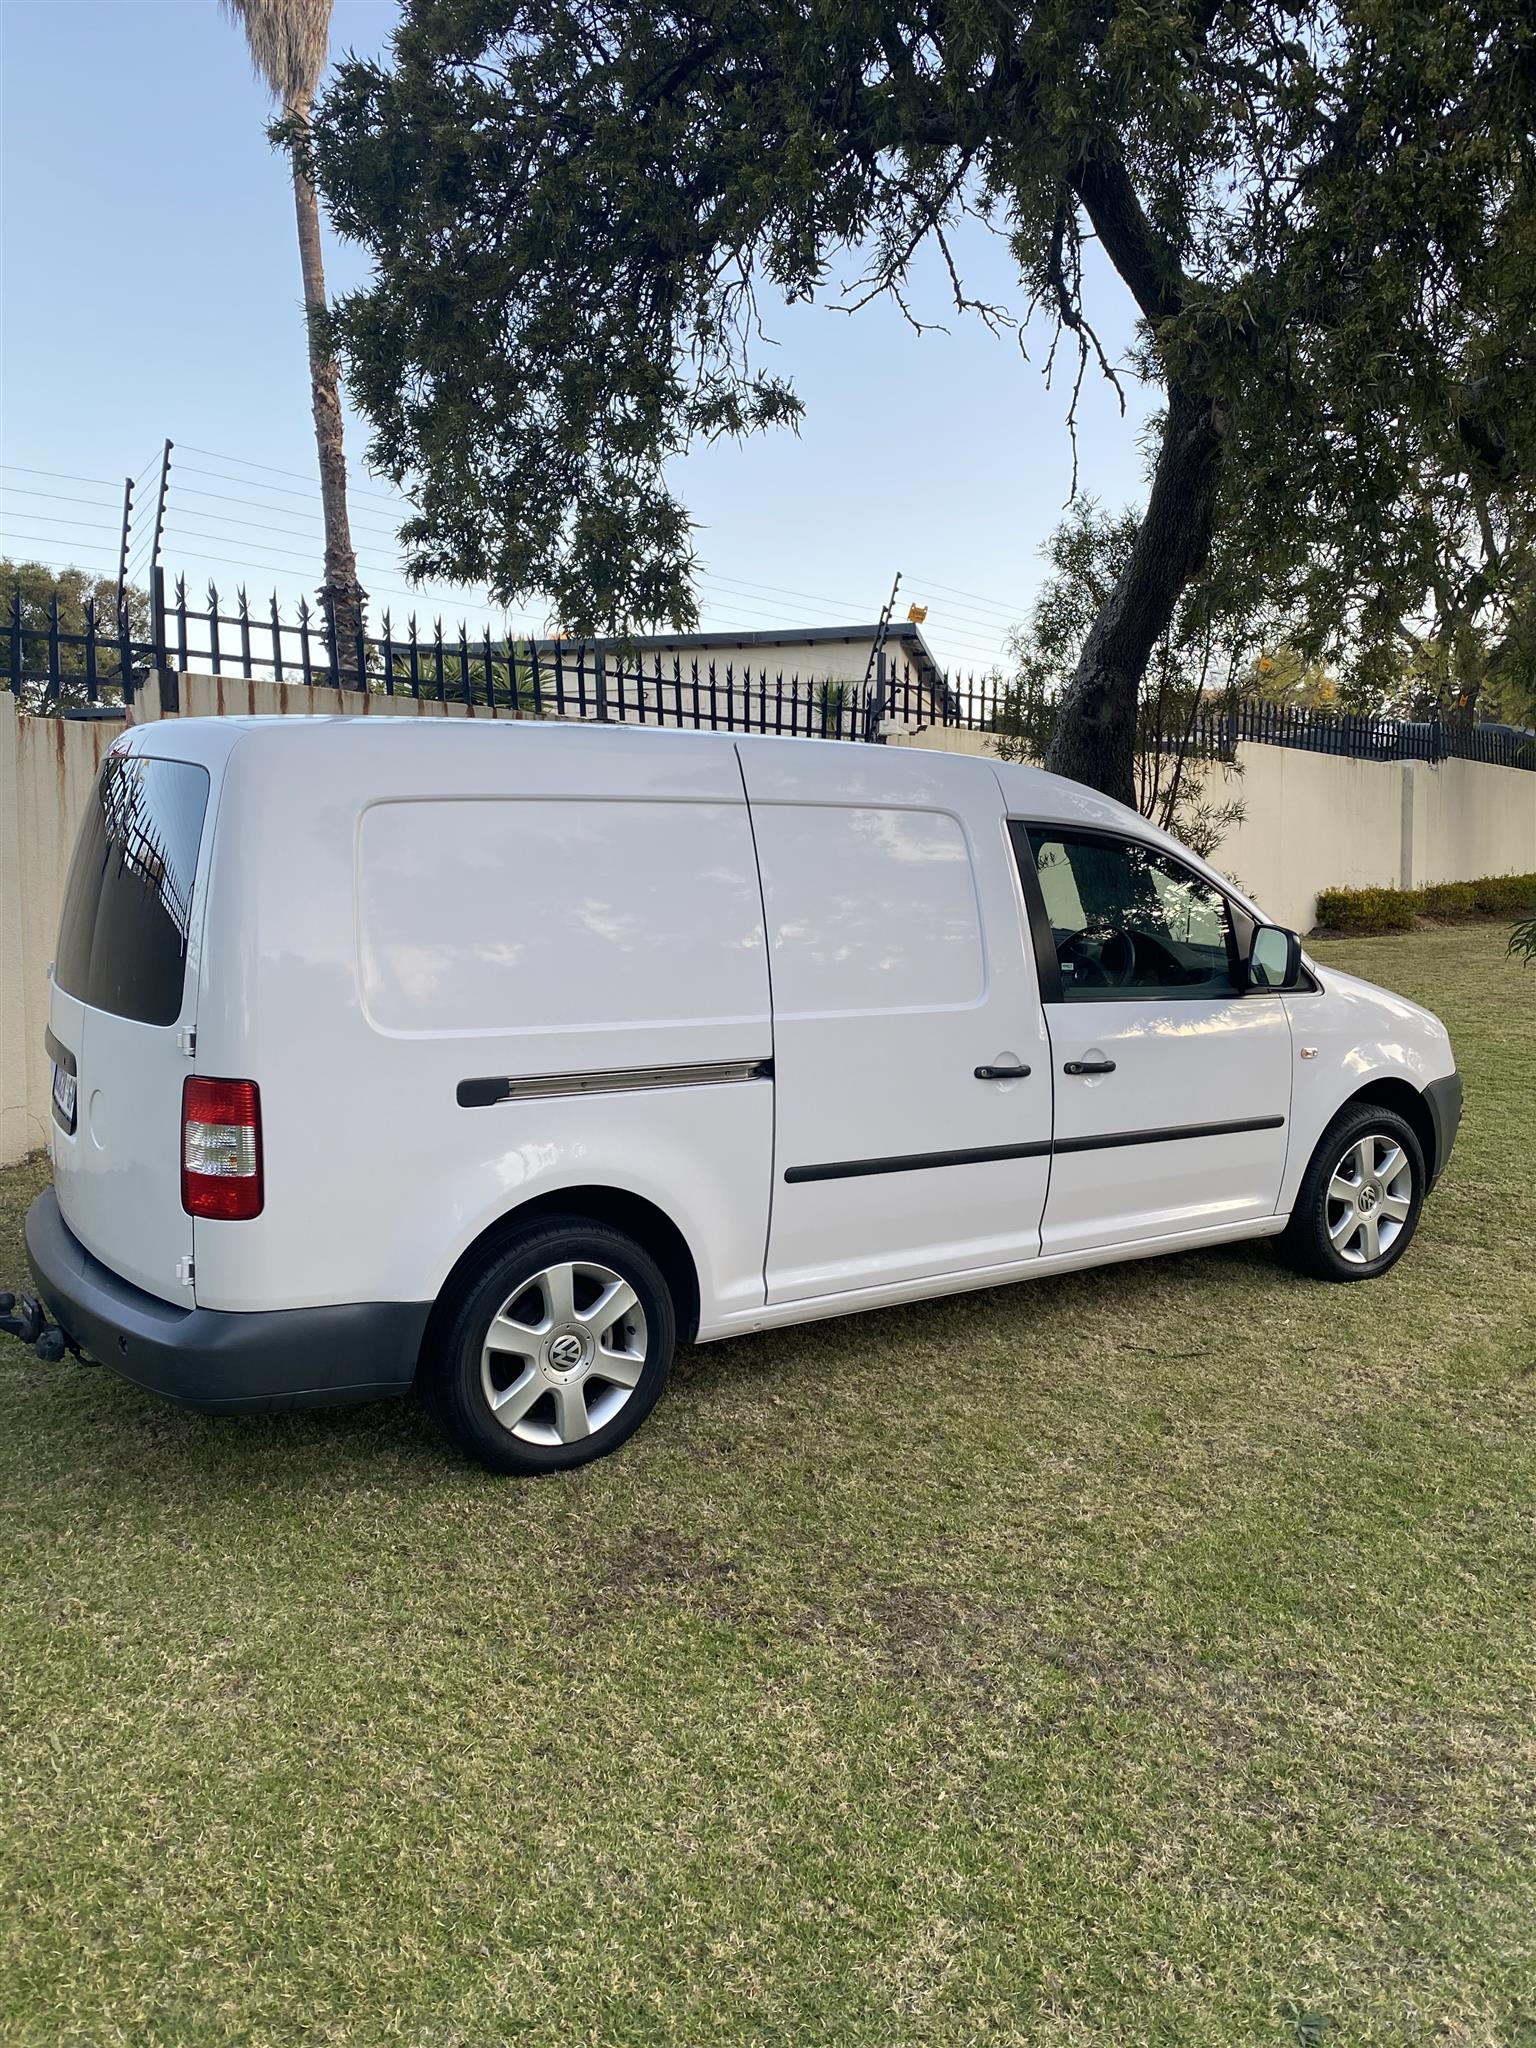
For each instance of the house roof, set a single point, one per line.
(901, 635)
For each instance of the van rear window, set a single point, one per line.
(128, 903)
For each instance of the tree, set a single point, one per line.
(1453, 633)
(69, 598)
(288, 41)
(1207, 657)
(1324, 215)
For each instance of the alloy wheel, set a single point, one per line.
(564, 1353)
(1369, 1198)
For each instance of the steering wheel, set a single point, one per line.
(1117, 957)
(1111, 962)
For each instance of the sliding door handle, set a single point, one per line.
(1002, 1073)
(1089, 1067)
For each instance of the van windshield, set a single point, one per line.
(128, 904)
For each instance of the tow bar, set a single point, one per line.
(26, 1318)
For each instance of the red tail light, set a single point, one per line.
(221, 1149)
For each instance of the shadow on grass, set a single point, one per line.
(1125, 1288)
(395, 1443)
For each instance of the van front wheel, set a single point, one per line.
(1359, 1201)
(556, 1350)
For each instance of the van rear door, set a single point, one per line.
(123, 1012)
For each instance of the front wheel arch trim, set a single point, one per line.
(1390, 1092)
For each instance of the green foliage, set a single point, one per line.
(831, 698)
(1368, 911)
(1522, 941)
(497, 672)
(78, 596)
(1324, 216)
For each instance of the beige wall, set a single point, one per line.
(47, 766)
(1471, 820)
(1312, 822)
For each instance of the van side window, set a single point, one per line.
(127, 915)
(1129, 921)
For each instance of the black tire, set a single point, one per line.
(1319, 1239)
(516, 1277)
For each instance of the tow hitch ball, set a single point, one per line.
(25, 1319)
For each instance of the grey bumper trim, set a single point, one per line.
(1444, 1099)
(214, 1359)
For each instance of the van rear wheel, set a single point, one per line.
(557, 1349)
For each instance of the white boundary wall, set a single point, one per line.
(1313, 822)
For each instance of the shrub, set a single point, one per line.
(1398, 910)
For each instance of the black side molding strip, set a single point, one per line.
(1164, 1137)
(481, 1093)
(918, 1162)
(915, 1162)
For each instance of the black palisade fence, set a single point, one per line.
(107, 660)
(991, 704)
(51, 667)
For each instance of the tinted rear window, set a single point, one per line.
(128, 906)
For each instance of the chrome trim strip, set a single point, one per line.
(482, 1092)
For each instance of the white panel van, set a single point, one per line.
(500, 1056)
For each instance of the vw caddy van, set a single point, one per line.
(500, 1056)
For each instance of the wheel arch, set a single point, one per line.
(1390, 1091)
(619, 1209)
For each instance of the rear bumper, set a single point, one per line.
(212, 1359)
(1444, 1099)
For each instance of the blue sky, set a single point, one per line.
(151, 289)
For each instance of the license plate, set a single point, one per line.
(64, 1096)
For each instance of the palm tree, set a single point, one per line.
(288, 41)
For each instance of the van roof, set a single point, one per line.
(1031, 791)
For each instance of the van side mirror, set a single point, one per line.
(1274, 958)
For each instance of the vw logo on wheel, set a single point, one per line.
(566, 1351)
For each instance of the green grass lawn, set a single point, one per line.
(1145, 1656)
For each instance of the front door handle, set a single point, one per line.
(1089, 1067)
(1002, 1073)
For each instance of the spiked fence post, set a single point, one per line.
(54, 673)
(89, 611)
